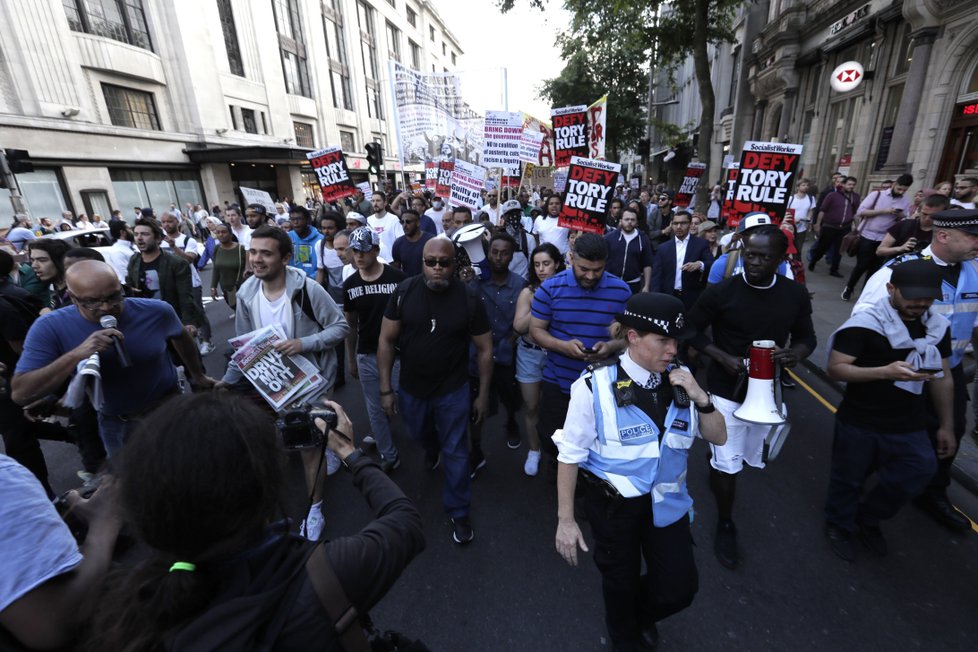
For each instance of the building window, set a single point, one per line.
(120, 20)
(368, 48)
(412, 17)
(339, 69)
(904, 54)
(454, 61)
(391, 3)
(288, 23)
(234, 118)
(131, 108)
(347, 141)
(394, 43)
(303, 134)
(431, 33)
(444, 49)
(415, 55)
(248, 121)
(156, 188)
(230, 37)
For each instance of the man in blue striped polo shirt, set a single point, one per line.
(570, 316)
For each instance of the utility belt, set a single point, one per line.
(598, 486)
(530, 345)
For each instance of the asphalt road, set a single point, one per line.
(509, 590)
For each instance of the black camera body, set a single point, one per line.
(298, 427)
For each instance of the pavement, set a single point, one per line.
(829, 311)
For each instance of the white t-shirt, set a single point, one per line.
(547, 231)
(493, 213)
(118, 256)
(243, 234)
(436, 218)
(802, 208)
(388, 227)
(970, 205)
(190, 246)
(275, 312)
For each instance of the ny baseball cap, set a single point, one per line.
(752, 220)
(511, 205)
(364, 239)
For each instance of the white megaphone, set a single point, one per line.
(761, 405)
(469, 237)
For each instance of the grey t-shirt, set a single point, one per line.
(35, 544)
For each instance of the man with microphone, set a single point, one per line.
(59, 341)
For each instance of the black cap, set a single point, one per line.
(918, 279)
(963, 219)
(652, 312)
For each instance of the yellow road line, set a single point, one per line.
(831, 408)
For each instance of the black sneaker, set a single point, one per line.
(477, 462)
(872, 538)
(840, 541)
(389, 465)
(846, 294)
(648, 638)
(942, 511)
(432, 460)
(836, 275)
(725, 545)
(462, 530)
(811, 266)
(513, 439)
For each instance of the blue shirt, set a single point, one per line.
(408, 254)
(147, 324)
(500, 304)
(576, 313)
(304, 251)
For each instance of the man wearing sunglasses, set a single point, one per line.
(433, 318)
(60, 340)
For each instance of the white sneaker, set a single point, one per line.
(206, 347)
(333, 462)
(532, 465)
(312, 527)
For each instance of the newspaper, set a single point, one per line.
(280, 379)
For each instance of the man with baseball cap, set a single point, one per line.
(625, 443)
(730, 263)
(889, 355)
(953, 248)
(520, 227)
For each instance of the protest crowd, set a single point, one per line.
(607, 324)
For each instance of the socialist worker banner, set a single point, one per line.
(764, 180)
(570, 125)
(443, 186)
(590, 185)
(694, 172)
(334, 176)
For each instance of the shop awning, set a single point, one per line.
(248, 154)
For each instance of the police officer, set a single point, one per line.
(628, 431)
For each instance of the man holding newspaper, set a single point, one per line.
(287, 329)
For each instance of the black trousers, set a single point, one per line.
(942, 479)
(623, 536)
(867, 262)
(829, 238)
(553, 412)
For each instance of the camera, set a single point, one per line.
(298, 427)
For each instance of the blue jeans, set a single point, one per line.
(380, 425)
(114, 432)
(448, 416)
(904, 463)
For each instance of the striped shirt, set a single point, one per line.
(576, 313)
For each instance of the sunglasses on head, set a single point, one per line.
(439, 262)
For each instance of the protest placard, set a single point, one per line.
(252, 196)
(694, 172)
(467, 183)
(764, 180)
(334, 176)
(368, 192)
(531, 125)
(560, 180)
(597, 121)
(570, 134)
(590, 184)
(443, 187)
(729, 185)
(281, 379)
(501, 141)
(430, 174)
(530, 144)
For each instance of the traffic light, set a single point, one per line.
(375, 157)
(19, 160)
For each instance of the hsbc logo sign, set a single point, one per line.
(847, 76)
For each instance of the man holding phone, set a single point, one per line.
(878, 212)
(889, 355)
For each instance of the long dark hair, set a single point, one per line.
(554, 253)
(199, 480)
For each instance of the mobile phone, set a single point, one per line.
(928, 371)
(588, 350)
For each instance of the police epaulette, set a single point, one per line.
(906, 258)
(607, 362)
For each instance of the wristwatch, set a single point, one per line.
(351, 459)
(710, 407)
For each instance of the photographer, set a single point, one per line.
(45, 580)
(203, 495)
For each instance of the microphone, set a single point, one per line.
(108, 321)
